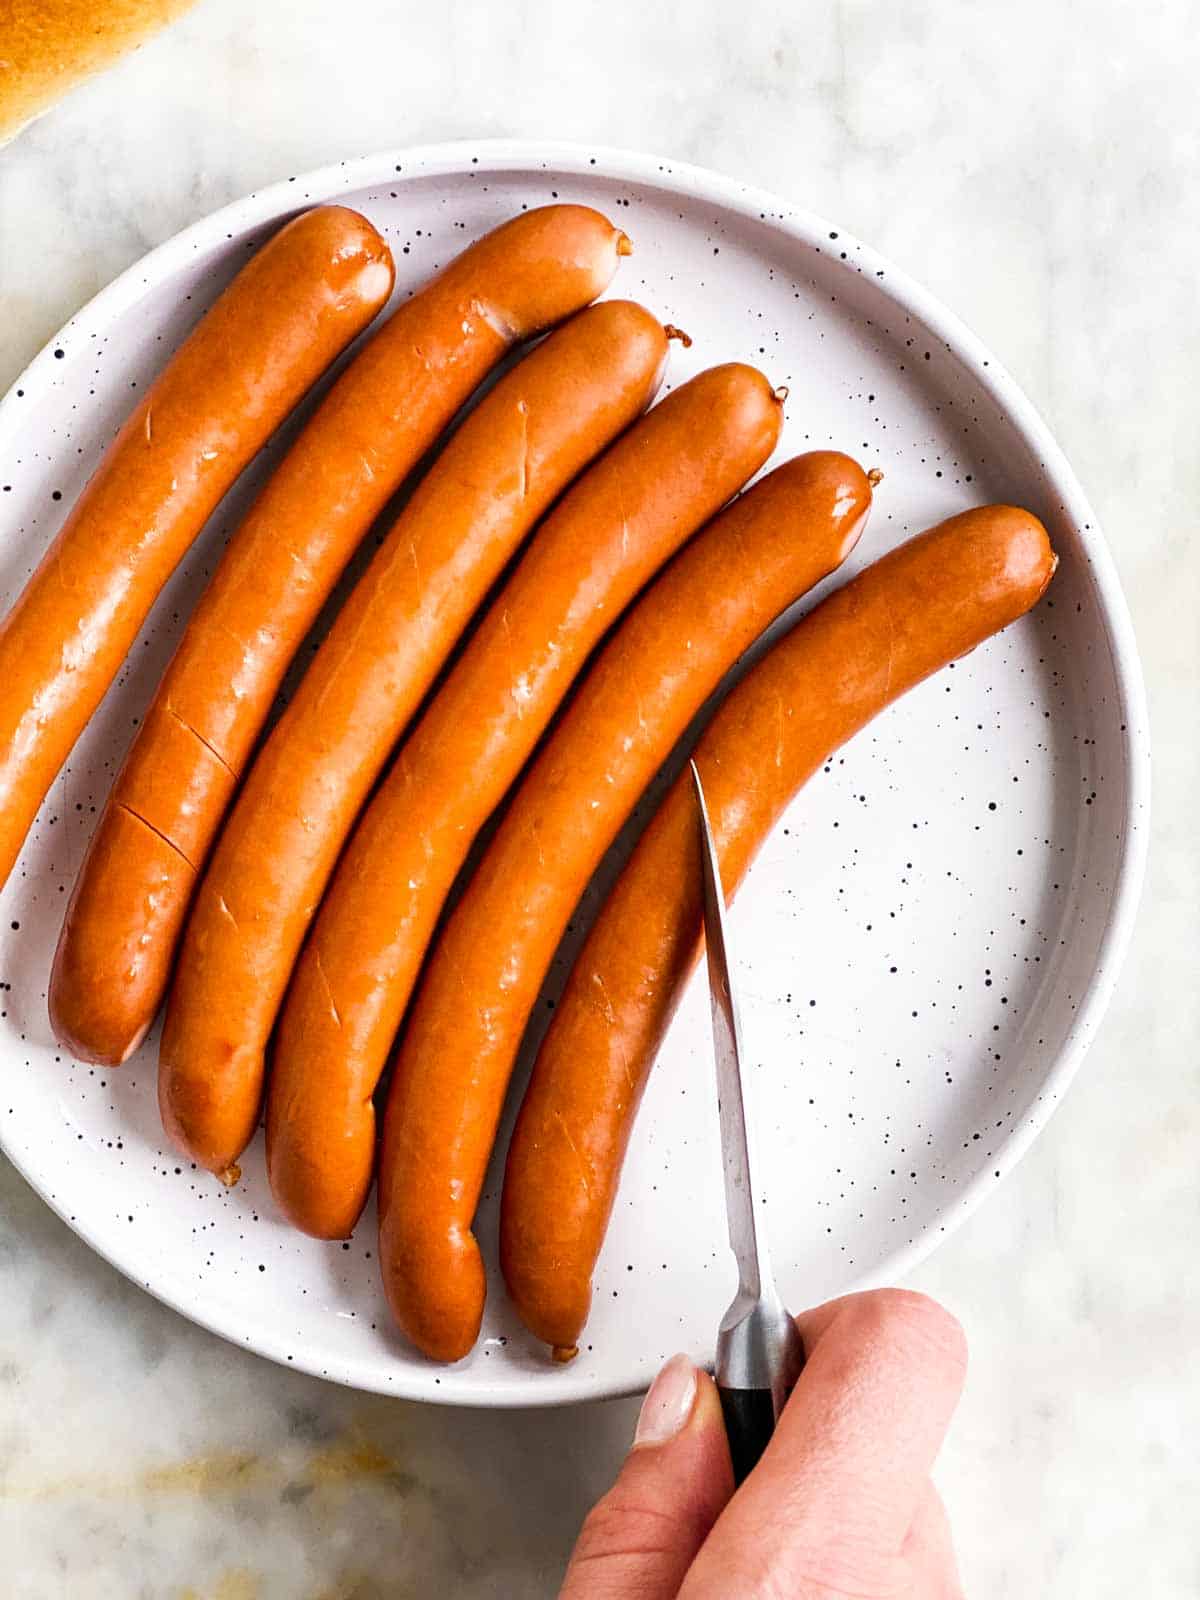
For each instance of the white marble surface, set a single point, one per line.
(1038, 166)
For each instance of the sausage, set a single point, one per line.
(295, 305)
(508, 462)
(479, 986)
(386, 410)
(924, 605)
(615, 528)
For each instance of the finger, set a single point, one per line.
(641, 1538)
(834, 1496)
(929, 1551)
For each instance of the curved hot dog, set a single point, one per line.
(301, 299)
(615, 528)
(507, 463)
(477, 991)
(925, 604)
(379, 419)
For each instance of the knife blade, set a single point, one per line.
(759, 1350)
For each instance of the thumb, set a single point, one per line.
(641, 1538)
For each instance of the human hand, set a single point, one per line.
(840, 1507)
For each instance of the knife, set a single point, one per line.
(760, 1354)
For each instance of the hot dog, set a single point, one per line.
(295, 305)
(924, 605)
(385, 411)
(479, 986)
(504, 467)
(614, 529)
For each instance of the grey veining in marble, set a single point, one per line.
(1038, 166)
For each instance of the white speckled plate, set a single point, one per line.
(928, 943)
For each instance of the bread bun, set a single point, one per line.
(48, 46)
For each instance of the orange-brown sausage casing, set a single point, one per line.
(626, 516)
(308, 291)
(500, 472)
(475, 996)
(377, 422)
(925, 604)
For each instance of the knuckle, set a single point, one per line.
(617, 1526)
(893, 1315)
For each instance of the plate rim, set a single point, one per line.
(459, 157)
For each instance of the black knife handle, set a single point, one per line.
(749, 1423)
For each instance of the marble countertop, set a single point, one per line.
(1039, 169)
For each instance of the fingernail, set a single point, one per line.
(669, 1403)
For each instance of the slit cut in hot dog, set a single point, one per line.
(626, 516)
(511, 458)
(377, 422)
(912, 612)
(477, 991)
(289, 312)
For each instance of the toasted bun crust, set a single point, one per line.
(48, 46)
